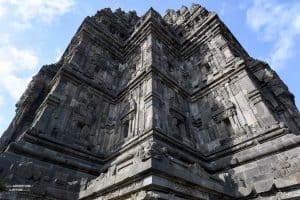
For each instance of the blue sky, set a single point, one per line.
(36, 32)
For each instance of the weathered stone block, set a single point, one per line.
(153, 107)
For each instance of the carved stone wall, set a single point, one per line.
(153, 107)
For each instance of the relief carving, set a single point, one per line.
(197, 169)
(177, 124)
(128, 117)
(197, 122)
(55, 117)
(224, 113)
(28, 171)
(109, 126)
(177, 120)
(285, 167)
(149, 150)
(239, 181)
(83, 116)
(93, 110)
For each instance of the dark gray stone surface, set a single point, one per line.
(153, 107)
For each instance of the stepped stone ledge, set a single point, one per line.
(153, 107)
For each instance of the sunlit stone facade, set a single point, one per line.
(153, 107)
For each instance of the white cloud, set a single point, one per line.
(278, 22)
(2, 11)
(21, 25)
(2, 125)
(4, 38)
(14, 63)
(17, 64)
(1, 100)
(58, 54)
(25, 11)
(296, 24)
(223, 8)
(1, 122)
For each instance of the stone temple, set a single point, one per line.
(153, 107)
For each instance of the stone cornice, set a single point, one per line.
(77, 77)
(150, 25)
